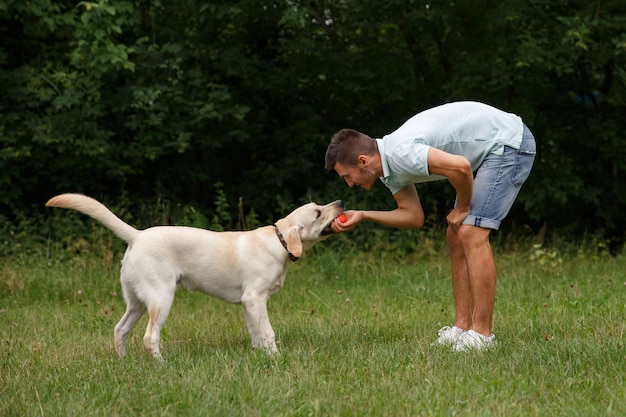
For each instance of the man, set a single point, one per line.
(486, 154)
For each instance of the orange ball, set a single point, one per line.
(343, 218)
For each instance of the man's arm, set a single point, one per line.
(458, 170)
(409, 213)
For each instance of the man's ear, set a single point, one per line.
(294, 243)
(362, 160)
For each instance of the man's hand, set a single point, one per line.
(456, 216)
(352, 219)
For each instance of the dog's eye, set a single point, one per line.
(318, 213)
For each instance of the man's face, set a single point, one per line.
(359, 175)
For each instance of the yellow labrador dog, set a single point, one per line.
(238, 267)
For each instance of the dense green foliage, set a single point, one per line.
(146, 102)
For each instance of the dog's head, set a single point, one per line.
(307, 225)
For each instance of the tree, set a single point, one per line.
(163, 100)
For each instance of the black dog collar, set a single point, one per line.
(282, 240)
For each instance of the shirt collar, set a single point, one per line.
(383, 158)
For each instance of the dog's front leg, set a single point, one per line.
(261, 332)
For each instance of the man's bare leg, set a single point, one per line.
(460, 282)
(481, 271)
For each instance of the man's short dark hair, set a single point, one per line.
(345, 147)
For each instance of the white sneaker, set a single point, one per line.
(449, 335)
(471, 340)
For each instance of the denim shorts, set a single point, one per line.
(497, 182)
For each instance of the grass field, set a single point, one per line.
(355, 331)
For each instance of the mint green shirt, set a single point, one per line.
(471, 129)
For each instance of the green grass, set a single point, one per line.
(355, 332)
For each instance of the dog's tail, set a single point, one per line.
(98, 211)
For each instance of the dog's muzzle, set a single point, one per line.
(327, 230)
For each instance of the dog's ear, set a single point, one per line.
(294, 243)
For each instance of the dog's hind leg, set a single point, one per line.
(261, 332)
(134, 311)
(158, 312)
